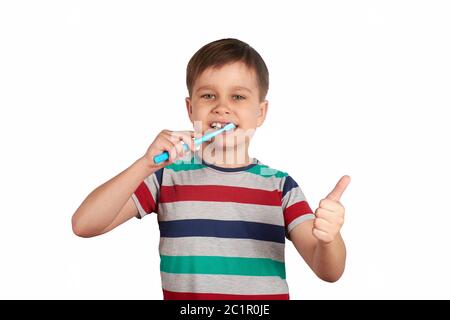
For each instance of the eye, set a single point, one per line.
(238, 97)
(208, 96)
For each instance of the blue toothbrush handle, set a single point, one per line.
(161, 157)
(165, 155)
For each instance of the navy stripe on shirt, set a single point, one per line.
(289, 184)
(222, 229)
(159, 176)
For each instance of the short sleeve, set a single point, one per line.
(147, 194)
(295, 207)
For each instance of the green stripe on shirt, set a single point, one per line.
(185, 166)
(223, 265)
(265, 171)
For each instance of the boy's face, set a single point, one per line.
(227, 94)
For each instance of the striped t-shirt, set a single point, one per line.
(222, 230)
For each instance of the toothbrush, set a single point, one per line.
(165, 155)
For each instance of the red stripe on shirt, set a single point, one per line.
(170, 295)
(145, 198)
(296, 210)
(219, 193)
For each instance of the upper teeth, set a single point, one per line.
(216, 125)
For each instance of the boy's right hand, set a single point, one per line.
(170, 141)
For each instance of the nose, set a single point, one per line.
(221, 109)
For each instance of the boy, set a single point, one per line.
(223, 216)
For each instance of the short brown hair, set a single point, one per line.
(224, 51)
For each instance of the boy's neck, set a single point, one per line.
(226, 157)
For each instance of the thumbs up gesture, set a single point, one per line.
(330, 213)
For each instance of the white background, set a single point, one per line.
(356, 87)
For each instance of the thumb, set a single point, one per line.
(339, 189)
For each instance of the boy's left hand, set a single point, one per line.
(330, 213)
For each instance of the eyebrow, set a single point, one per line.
(242, 88)
(205, 88)
(234, 88)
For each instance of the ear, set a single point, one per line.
(189, 107)
(262, 111)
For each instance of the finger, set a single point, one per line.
(180, 149)
(185, 133)
(175, 143)
(173, 154)
(331, 205)
(182, 133)
(322, 224)
(339, 189)
(178, 136)
(170, 136)
(324, 214)
(330, 217)
(169, 146)
(187, 138)
(321, 235)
